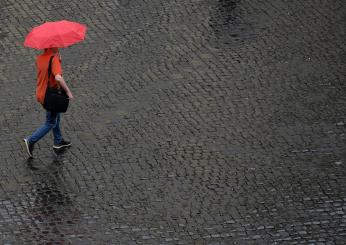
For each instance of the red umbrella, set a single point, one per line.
(59, 34)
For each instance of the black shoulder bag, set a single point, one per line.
(56, 99)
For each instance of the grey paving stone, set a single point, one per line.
(194, 122)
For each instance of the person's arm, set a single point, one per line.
(64, 86)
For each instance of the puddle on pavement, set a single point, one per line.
(229, 24)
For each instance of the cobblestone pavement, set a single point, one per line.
(195, 122)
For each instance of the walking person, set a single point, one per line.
(51, 89)
(49, 73)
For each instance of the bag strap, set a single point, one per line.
(49, 69)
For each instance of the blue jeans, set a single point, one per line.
(52, 122)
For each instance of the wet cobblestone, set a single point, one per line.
(195, 122)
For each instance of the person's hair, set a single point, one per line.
(46, 49)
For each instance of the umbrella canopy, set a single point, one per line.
(58, 34)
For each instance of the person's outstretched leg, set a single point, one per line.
(59, 142)
(40, 132)
(56, 131)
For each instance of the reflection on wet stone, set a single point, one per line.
(50, 208)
